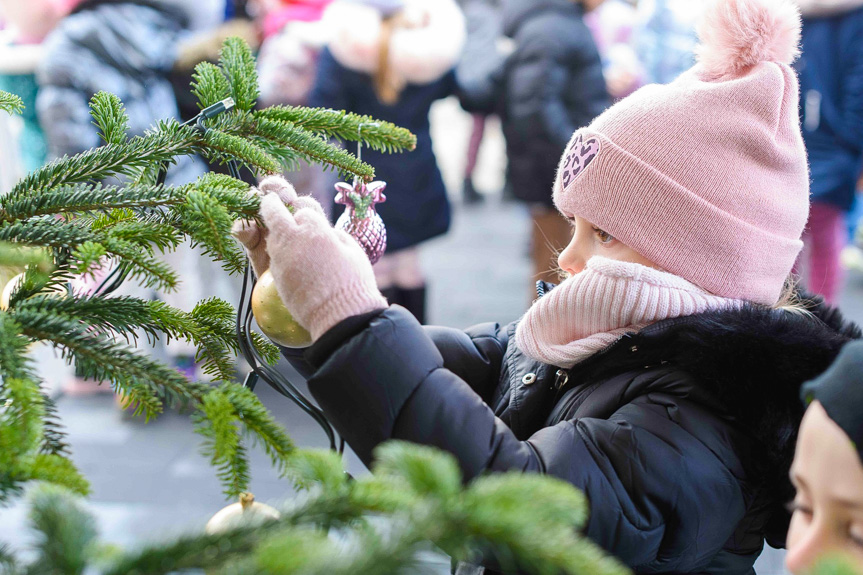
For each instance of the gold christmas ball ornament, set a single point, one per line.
(273, 317)
(246, 513)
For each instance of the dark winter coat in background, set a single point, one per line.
(681, 435)
(552, 86)
(126, 48)
(831, 103)
(416, 208)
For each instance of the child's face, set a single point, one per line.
(588, 241)
(828, 509)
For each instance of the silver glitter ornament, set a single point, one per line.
(360, 219)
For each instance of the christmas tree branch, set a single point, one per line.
(239, 66)
(110, 117)
(10, 102)
(22, 456)
(77, 198)
(161, 146)
(376, 134)
(312, 147)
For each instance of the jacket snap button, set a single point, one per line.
(633, 349)
(529, 379)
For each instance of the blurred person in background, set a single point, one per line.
(553, 84)
(25, 25)
(127, 48)
(482, 62)
(293, 37)
(392, 59)
(831, 111)
(827, 471)
(612, 25)
(665, 38)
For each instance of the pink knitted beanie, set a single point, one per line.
(705, 176)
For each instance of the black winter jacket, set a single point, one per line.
(553, 85)
(680, 435)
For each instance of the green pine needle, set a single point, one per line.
(376, 134)
(238, 65)
(209, 84)
(10, 102)
(65, 532)
(222, 145)
(110, 117)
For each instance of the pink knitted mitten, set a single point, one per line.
(252, 236)
(322, 274)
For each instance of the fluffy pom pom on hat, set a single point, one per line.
(705, 176)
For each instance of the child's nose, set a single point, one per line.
(570, 261)
(802, 556)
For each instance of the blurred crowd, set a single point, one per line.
(543, 67)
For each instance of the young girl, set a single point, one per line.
(661, 378)
(828, 467)
(392, 59)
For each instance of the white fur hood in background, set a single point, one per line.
(417, 55)
(827, 8)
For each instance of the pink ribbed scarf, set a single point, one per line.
(591, 310)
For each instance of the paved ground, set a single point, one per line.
(149, 480)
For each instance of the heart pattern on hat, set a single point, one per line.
(581, 152)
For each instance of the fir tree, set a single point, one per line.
(61, 222)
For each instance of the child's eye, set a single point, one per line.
(798, 507)
(603, 236)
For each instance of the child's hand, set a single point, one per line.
(322, 274)
(252, 236)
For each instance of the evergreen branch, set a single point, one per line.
(231, 146)
(376, 134)
(110, 117)
(269, 352)
(10, 102)
(14, 362)
(214, 334)
(190, 552)
(150, 271)
(54, 438)
(101, 358)
(118, 315)
(58, 470)
(145, 233)
(79, 198)
(222, 442)
(46, 232)
(22, 441)
(168, 141)
(231, 193)
(425, 470)
(209, 85)
(238, 64)
(318, 467)
(66, 532)
(260, 425)
(312, 147)
(208, 223)
(20, 422)
(88, 257)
